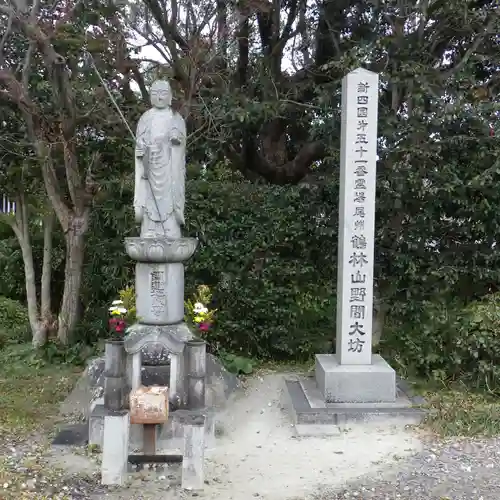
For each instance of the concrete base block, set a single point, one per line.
(115, 449)
(96, 422)
(96, 429)
(171, 434)
(311, 416)
(193, 477)
(375, 383)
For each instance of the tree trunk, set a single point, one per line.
(68, 314)
(46, 303)
(30, 283)
(21, 230)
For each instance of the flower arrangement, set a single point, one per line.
(198, 310)
(117, 321)
(199, 314)
(122, 313)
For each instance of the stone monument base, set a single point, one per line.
(139, 336)
(375, 383)
(340, 395)
(311, 416)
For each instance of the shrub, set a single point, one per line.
(476, 353)
(14, 323)
(450, 341)
(268, 254)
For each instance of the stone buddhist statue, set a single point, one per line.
(160, 167)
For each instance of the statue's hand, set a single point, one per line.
(139, 213)
(179, 216)
(175, 141)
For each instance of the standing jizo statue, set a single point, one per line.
(160, 167)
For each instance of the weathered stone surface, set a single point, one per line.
(193, 477)
(96, 423)
(155, 354)
(358, 163)
(172, 337)
(220, 383)
(95, 372)
(160, 167)
(159, 293)
(155, 375)
(374, 383)
(160, 249)
(115, 449)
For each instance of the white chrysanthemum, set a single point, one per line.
(198, 307)
(117, 302)
(117, 310)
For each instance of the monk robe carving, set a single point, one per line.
(160, 167)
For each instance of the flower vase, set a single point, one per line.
(115, 363)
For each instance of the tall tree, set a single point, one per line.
(47, 75)
(27, 207)
(257, 90)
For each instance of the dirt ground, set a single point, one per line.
(259, 456)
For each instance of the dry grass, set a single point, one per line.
(30, 394)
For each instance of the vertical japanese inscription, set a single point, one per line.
(356, 220)
(157, 289)
(356, 344)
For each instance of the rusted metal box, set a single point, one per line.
(149, 405)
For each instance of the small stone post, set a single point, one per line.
(114, 373)
(193, 477)
(115, 448)
(196, 354)
(117, 419)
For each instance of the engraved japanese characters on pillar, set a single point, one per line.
(357, 217)
(157, 290)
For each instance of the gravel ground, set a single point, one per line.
(445, 470)
(462, 469)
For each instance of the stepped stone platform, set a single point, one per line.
(311, 416)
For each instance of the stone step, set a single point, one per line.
(311, 416)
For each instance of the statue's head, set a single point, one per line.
(161, 94)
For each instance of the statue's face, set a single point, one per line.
(161, 95)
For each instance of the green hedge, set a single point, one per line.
(269, 253)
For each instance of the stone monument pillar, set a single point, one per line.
(160, 251)
(353, 384)
(353, 374)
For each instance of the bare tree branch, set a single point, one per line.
(493, 17)
(4, 38)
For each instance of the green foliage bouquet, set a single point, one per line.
(198, 311)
